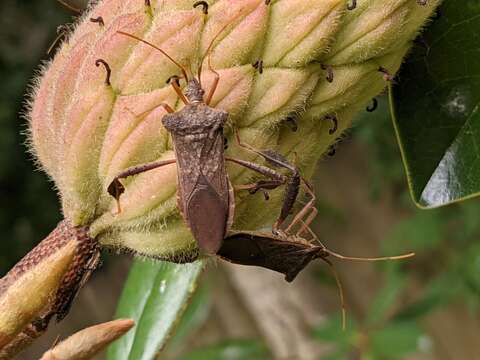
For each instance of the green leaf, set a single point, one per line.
(437, 113)
(195, 316)
(396, 340)
(231, 350)
(155, 296)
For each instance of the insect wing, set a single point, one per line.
(269, 251)
(207, 216)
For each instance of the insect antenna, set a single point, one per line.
(70, 6)
(340, 292)
(383, 258)
(209, 49)
(182, 68)
(62, 31)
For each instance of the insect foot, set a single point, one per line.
(96, 130)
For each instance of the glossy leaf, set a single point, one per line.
(231, 350)
(436, 108)
(155, 296)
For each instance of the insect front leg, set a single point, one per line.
(116, 188)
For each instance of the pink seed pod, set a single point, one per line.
(90, 112)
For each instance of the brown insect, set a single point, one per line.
(205, 195)
(288, 252)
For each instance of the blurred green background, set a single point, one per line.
(426, 308)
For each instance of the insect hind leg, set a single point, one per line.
(292, 182)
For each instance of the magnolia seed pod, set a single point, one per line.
(43, 283)
(91, 112)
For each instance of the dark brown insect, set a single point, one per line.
(283, 253)
(287, 252)
(205, 195)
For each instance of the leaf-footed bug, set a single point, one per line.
(288, 252)
(205, 195)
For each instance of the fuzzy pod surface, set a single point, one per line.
(86, 127)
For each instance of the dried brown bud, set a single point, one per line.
(85, 344)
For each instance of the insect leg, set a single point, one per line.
(292, 186)
(292, 182)
(116, 188)
(175, 82)
(306, 223)
(271, 156)
(264, 170)
(308, 208)
(260, 185)
(146, 112)
(214, 85)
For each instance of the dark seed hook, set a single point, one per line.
(225, 143)
(204, 6)
(374, 105)
(329, 70)
(334, 120)
(332, 150)
(148, 4)
(292, 123)
(107, 69)
(352, 5)
(258, 65)
(98, 20)
(267, 2)
(266, 195)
